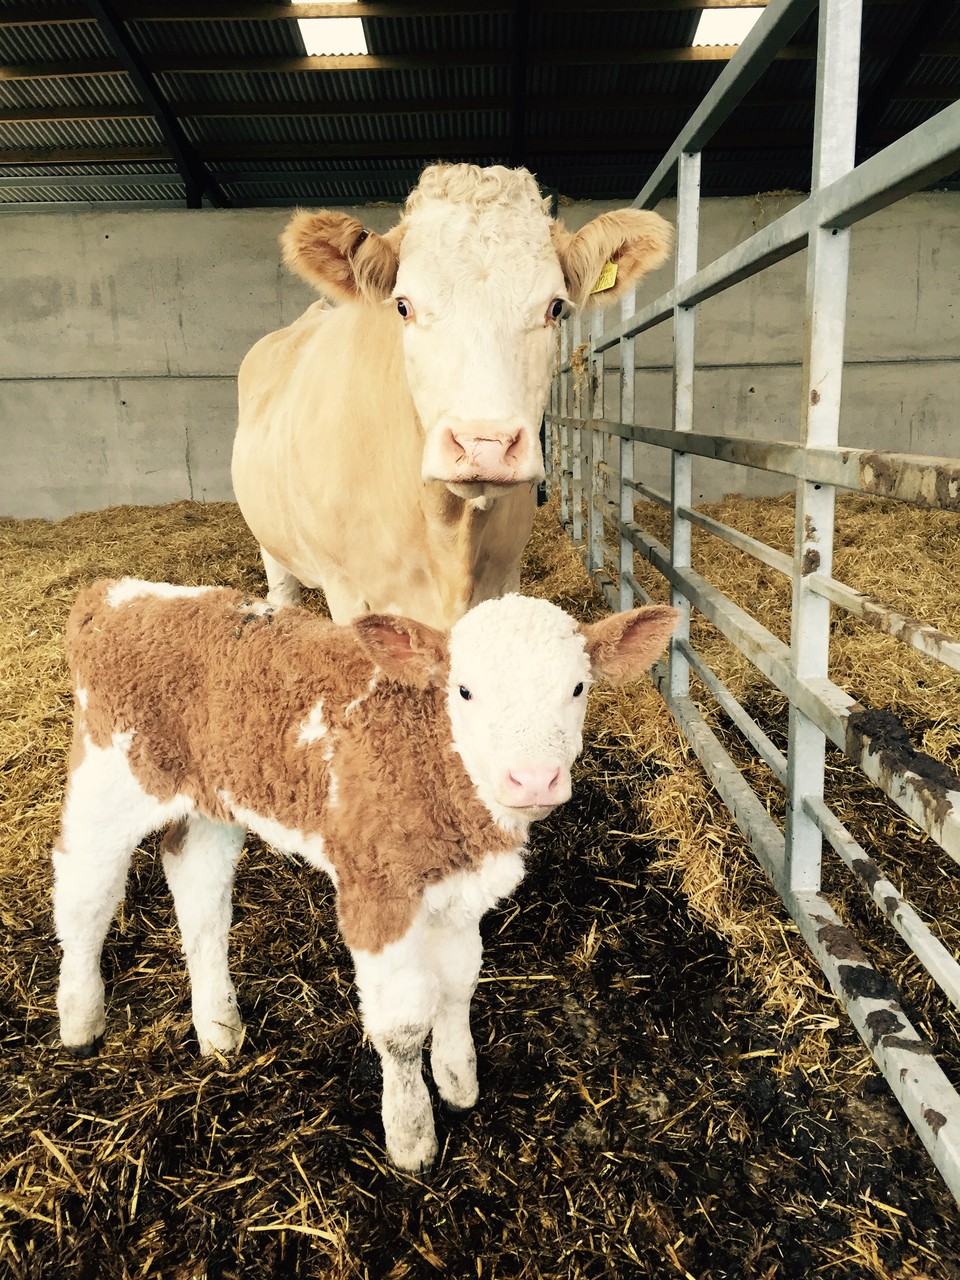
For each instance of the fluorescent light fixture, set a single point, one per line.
(332, 35)
(725, 26)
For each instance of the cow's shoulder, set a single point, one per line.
(284, 344)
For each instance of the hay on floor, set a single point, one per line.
(666, 1089)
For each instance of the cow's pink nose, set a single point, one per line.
(499, 451)
(488, 455)
(535, 785)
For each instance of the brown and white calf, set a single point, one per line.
(406, 763)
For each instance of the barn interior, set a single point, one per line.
(668, 1086)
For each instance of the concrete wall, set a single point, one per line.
(121, 333)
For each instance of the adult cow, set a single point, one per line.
(388, 448)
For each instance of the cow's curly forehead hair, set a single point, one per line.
(470, 184)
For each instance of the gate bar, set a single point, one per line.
(919, 479)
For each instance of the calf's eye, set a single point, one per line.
(578, 690)
(555, 310)
(465, 694)
(404, 308)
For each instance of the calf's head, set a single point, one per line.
(478, 276)
(516, 673)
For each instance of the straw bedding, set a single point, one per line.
(667, 1090)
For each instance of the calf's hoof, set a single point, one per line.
(412, 1143)
(81, 1051)
(457, 1087)
(217, 1021)
(219, 1036)
(82, 1034)
(82, 1023)
(415, 1158)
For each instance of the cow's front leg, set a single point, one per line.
(282, 587)
(343, 600)
(454, 953)
(398, 1002)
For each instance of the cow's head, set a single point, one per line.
(516, 672)
(479, 276)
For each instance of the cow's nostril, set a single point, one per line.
(513, 448)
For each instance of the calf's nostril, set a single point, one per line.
(535, 784)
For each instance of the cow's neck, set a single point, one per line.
(466, 540)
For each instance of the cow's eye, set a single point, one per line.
(405, 309)
(555, 310)
(578, 690)
(465, 693)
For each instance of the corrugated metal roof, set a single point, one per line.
(238, 39)
(50, 41)
(587, 96)
(453, 35)
(84, 133)
(67, 91)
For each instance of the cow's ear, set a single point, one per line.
(405, 650)
(624, 645)
(339, 256)
(615, 250)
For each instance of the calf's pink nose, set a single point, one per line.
(533, 785)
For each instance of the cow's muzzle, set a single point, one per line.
(488, 453)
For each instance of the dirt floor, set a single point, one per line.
(666, 1088)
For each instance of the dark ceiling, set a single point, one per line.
(186, 101)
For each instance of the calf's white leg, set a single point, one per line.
(199, 859)
(399, 997)
(282, 587)
(105, 816)
(454, 953)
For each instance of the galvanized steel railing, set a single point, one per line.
(590, 461)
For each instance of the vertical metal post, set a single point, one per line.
(549, 462)
(598, 482)
(547, 429)
(684, 331)
(576, 442)
(828, 259)
(587, 442)
(626, 395)
(562, 431)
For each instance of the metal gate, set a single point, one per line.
(590, 462)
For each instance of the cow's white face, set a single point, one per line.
(516, 696)
(480, 276)
(480, 294)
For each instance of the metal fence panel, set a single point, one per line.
(592, 445)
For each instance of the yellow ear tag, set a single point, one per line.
(608, 278)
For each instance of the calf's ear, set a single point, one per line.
(404, 650)
(624, 645)
(634, 241)
(339, 257)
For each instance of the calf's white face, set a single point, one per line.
(516, 673)
(519, 674)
